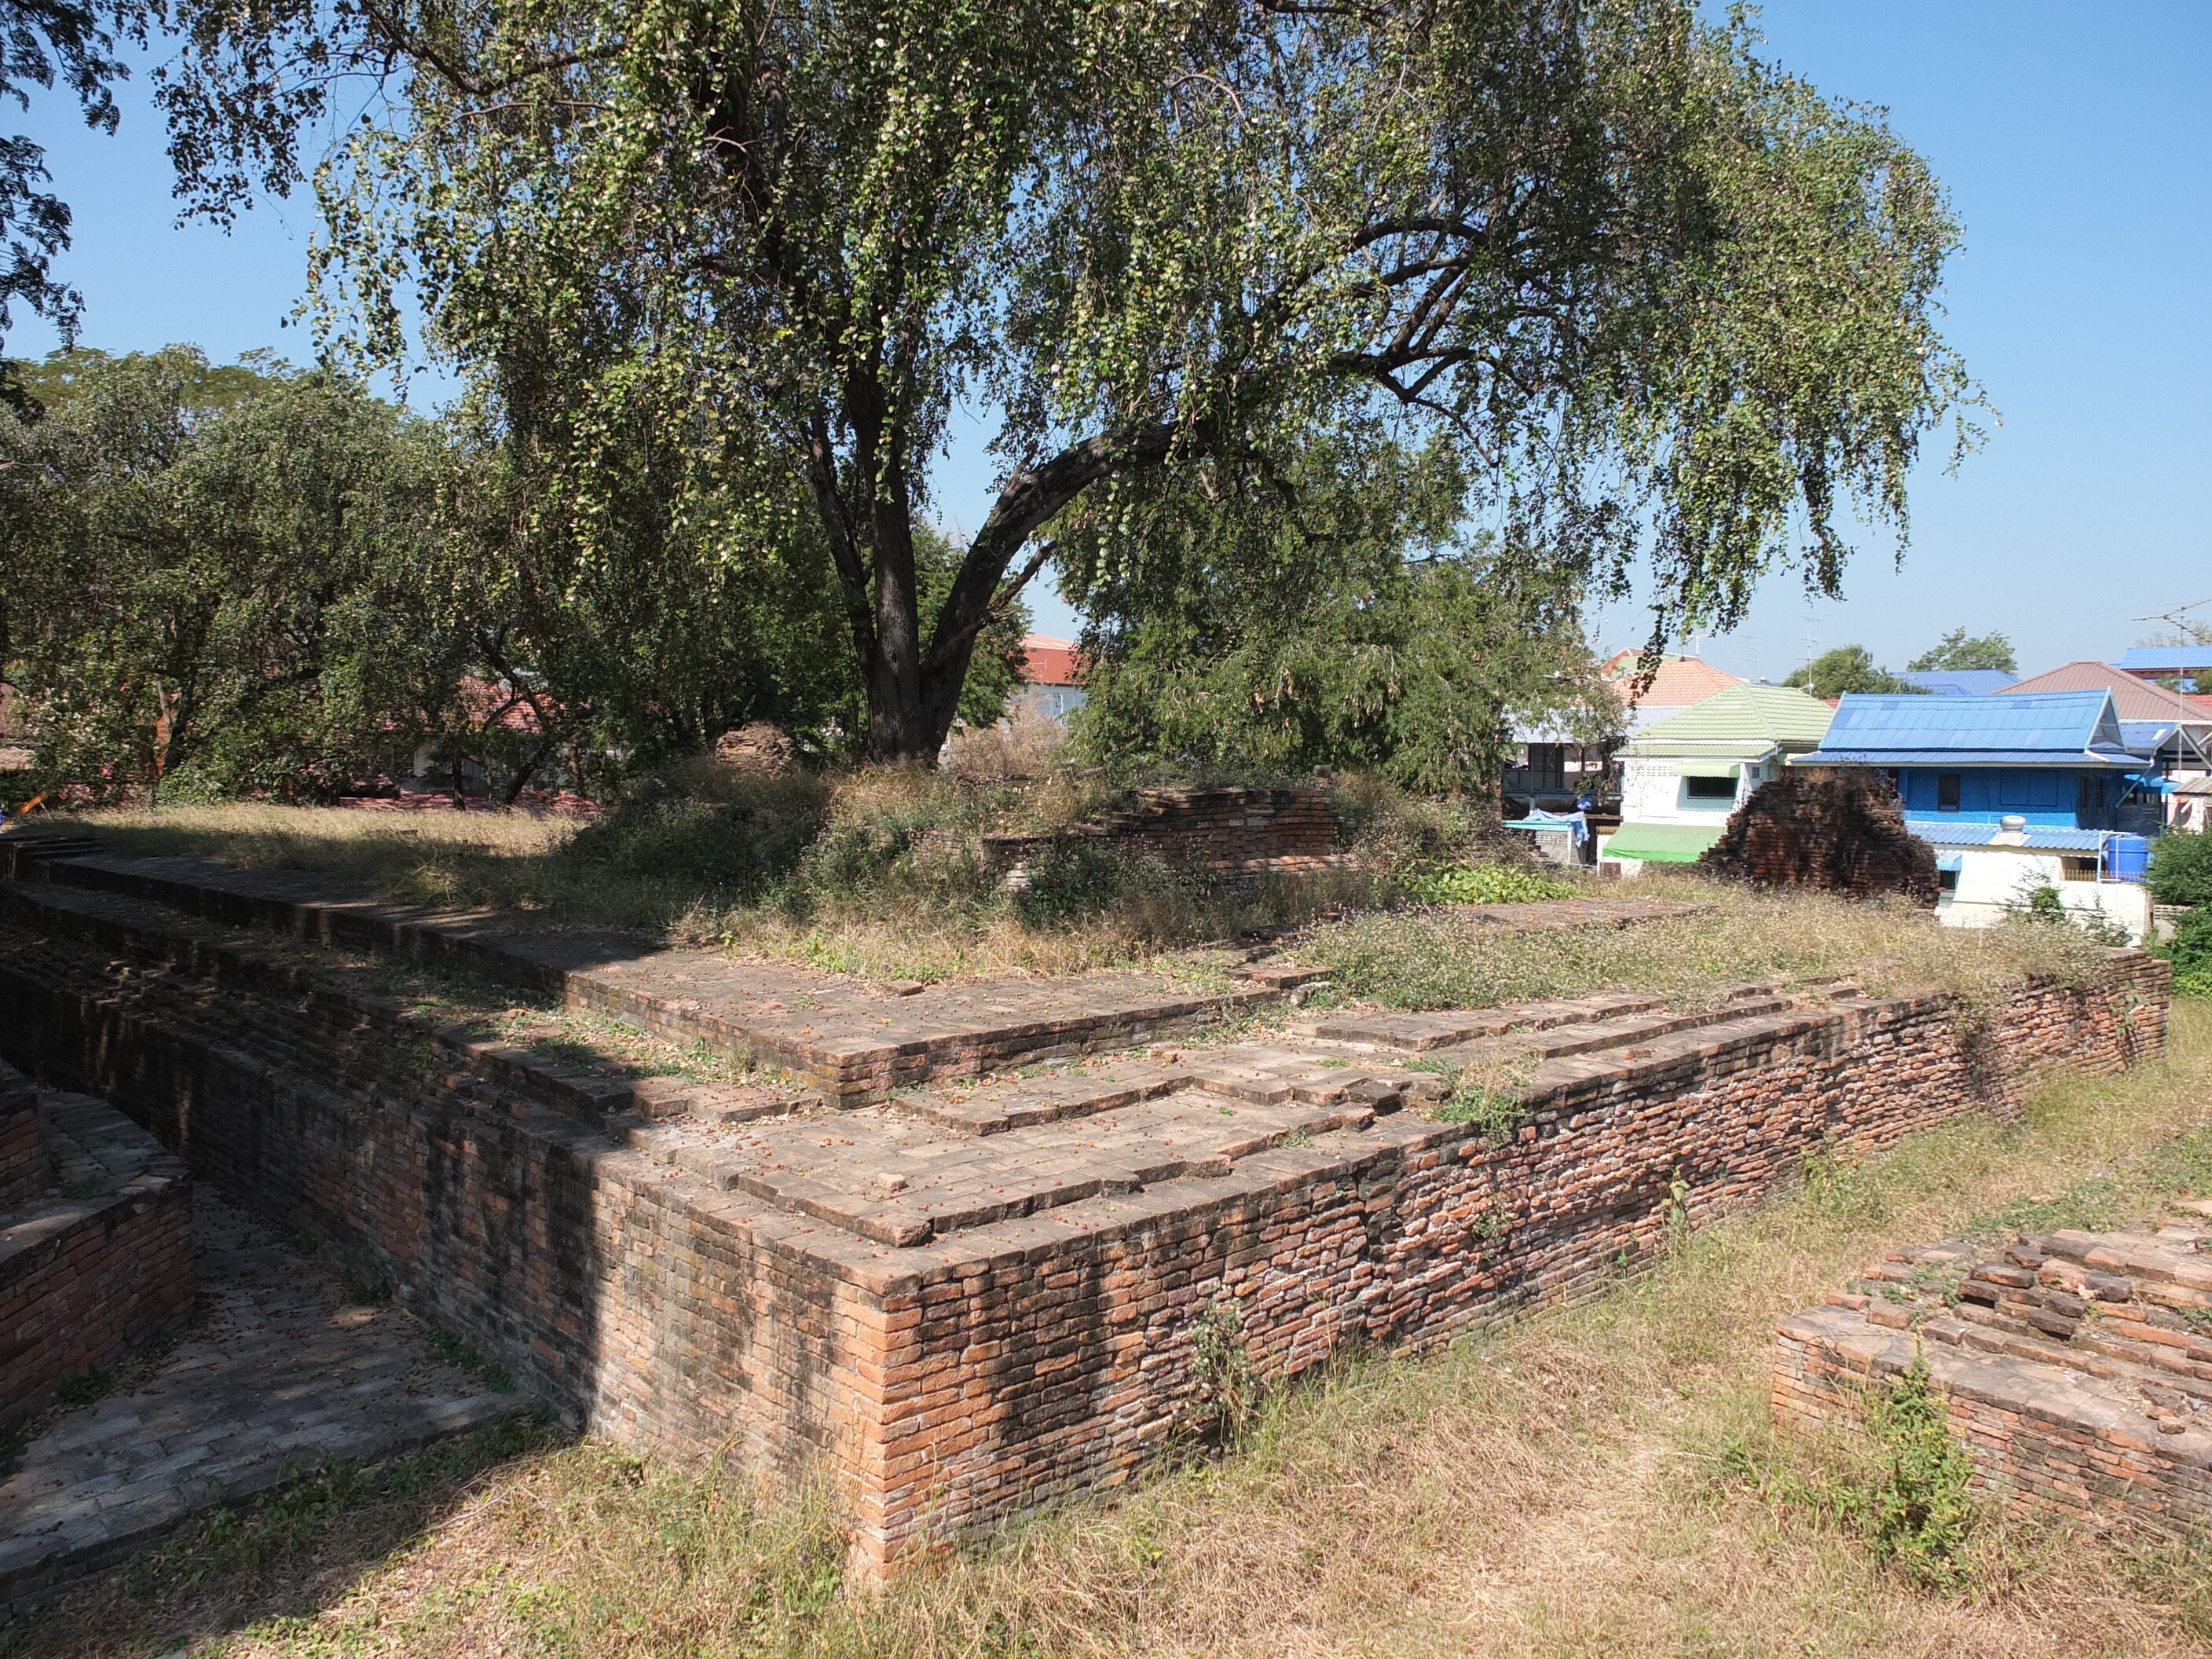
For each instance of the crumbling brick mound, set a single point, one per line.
(761, 749)
(2075, 1367)
(1833, 831)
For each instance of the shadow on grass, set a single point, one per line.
(297, 1546)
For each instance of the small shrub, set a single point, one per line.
(1917, 1510)
(1078, 876)
(2181, 868)
(1496, 1115)
(87, 1387)
(1485, 884)
(1221, 1369)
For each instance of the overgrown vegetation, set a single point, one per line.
(879, 872)
(1574, 1484)
(2181, 868)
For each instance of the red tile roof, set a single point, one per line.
(1681, 682)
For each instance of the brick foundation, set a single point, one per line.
(2074, 1368)
(960, 1381)
(26, 1171)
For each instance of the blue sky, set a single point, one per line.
(2077, 142)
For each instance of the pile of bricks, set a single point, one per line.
(1835, 831)
(1223, 832)
(2077, 1367)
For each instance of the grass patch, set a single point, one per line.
(450, 1350)
(1571, 1486)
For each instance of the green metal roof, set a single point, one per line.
(1660, 843)
(1744, 721)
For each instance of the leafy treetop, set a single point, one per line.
(1847, 668)
(1958, 651)
(1589, 266)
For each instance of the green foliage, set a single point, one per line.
(1847, 668)
(294, 1515)
(718, 274)
(220, 581)
(450, 1350)
(86, 1387)
(1222, 1380)
(2189, 950)
(1485, 884)
(1957, 652)
(1495, 1113)
(1412, 670)
(1080, 875)
(2181, 868)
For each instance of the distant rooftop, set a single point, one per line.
(2166, 659)
(1959, 682)
(2048, 728)
(1743, 722)
(2133, 699)
(1049, 661)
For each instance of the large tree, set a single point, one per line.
(1638, 296)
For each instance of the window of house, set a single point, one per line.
(2090, 798)
(1711, 788)
(2083, 868)
(1948, 880)
(1947, 791)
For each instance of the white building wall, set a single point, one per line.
(1993, 881)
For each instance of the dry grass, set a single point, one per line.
(1560, 1488)
(1431, 960)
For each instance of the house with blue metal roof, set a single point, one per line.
(2015, 792)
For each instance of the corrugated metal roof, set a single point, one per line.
(1744, 720)
(2166, 659)
(2134, 699)
(1049, 661)
(1959, 682)
(2087, 760)
(1967, 832)
(2055, 723)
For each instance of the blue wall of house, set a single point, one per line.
(2068, 797)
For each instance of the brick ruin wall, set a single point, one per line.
(1217, 829)
(85, 1281)
(957, 1384)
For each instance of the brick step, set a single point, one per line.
(883, 1176)
(1598, 1036)
(858, 1041)
(1263, 1074)
(1416, 1033)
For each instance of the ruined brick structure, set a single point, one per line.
(1833, 831)
(2075, 1367)
(95, 1242)
(981, 1293)
(1226, 832)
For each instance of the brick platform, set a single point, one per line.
(967, 1297)
(1222, 832)
(95, 1258)
(2076, 1368)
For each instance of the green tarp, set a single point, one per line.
(1660, 843)
(1707, 768)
